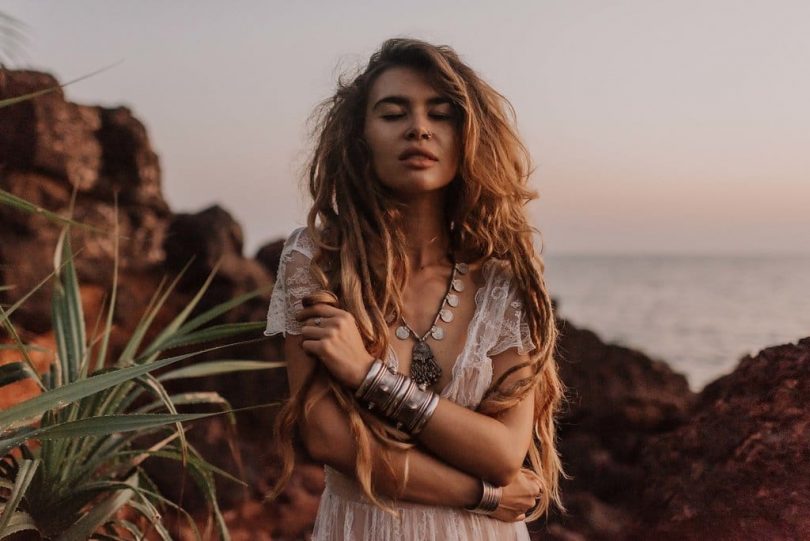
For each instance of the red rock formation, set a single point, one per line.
(740, 468)
(617, 399)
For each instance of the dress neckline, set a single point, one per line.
(479, 294)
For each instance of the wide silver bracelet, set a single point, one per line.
(398, 397)
(374, 373)
(490, 499)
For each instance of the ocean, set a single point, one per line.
(700, 314)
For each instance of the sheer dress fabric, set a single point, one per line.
(498, 324)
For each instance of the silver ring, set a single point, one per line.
(318, 321)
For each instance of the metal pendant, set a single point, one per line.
(402, 332)
(458, 285)
(425, 371)
(446, 315)
(462, 268)
(452, 300)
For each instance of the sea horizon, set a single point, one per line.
(699, 313)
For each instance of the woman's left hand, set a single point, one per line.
(331, 335)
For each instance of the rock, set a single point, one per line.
(49, 148)
(617, 399)
(269, 256)
(212, 239)
(740, 468)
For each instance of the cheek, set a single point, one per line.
(376, 144)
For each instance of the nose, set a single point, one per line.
(418, 132)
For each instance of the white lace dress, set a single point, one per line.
(498, 323)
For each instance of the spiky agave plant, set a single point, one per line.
(72, 456)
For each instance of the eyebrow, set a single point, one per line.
(402, 100)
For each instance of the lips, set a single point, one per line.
(418, 152)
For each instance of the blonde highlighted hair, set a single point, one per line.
(361, 258)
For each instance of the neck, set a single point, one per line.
(426, 234)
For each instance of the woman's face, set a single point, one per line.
(412, 132)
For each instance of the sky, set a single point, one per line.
(671, 126)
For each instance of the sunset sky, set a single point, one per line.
(674, 126)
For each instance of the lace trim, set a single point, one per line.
(294, 281)
(498, 323)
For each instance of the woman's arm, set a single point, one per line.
(491, 448)
(328, 439)
(430, 481)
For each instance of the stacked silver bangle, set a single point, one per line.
(398, 397)
(490, 499)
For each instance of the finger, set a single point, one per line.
(311, 332)
(323, 310)
(312, 347)
(318, 321)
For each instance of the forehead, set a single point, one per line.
(402, 81)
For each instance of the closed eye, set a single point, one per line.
(392, 116)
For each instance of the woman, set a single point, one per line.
(419, 335)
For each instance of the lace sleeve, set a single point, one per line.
(294, 281)
(514, 326)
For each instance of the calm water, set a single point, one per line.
(698, 313)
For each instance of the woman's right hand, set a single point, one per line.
(518, 497)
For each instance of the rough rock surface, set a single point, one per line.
(51, 148)
(740, 468)
(617, 399)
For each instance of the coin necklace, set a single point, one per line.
(425, 371)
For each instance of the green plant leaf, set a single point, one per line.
(157, 302)
(220, 309)
(25, 97)
(105, 341)
(101, 426)
(178, 320)
(211, 334)
(22, 413)
(215, 368)
(20, 520)
(23, 205)
(68, 316)
(13, 372)
(25, 474)
(100, 513)
(151, 514)
(24, 347)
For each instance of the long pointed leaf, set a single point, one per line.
(19, 521)
(68, 309)
(20, 413)
(215, 368)
(102, 352)
(161, 392)
(220, 309)
(101, 426)
(23, 205)
(211, 334)
(178, 320)
(100, 513)
(13, 372)
(25, 97)
(135, 342)
(24, 477)
(18, 342)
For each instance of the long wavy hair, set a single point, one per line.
(356, 224)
